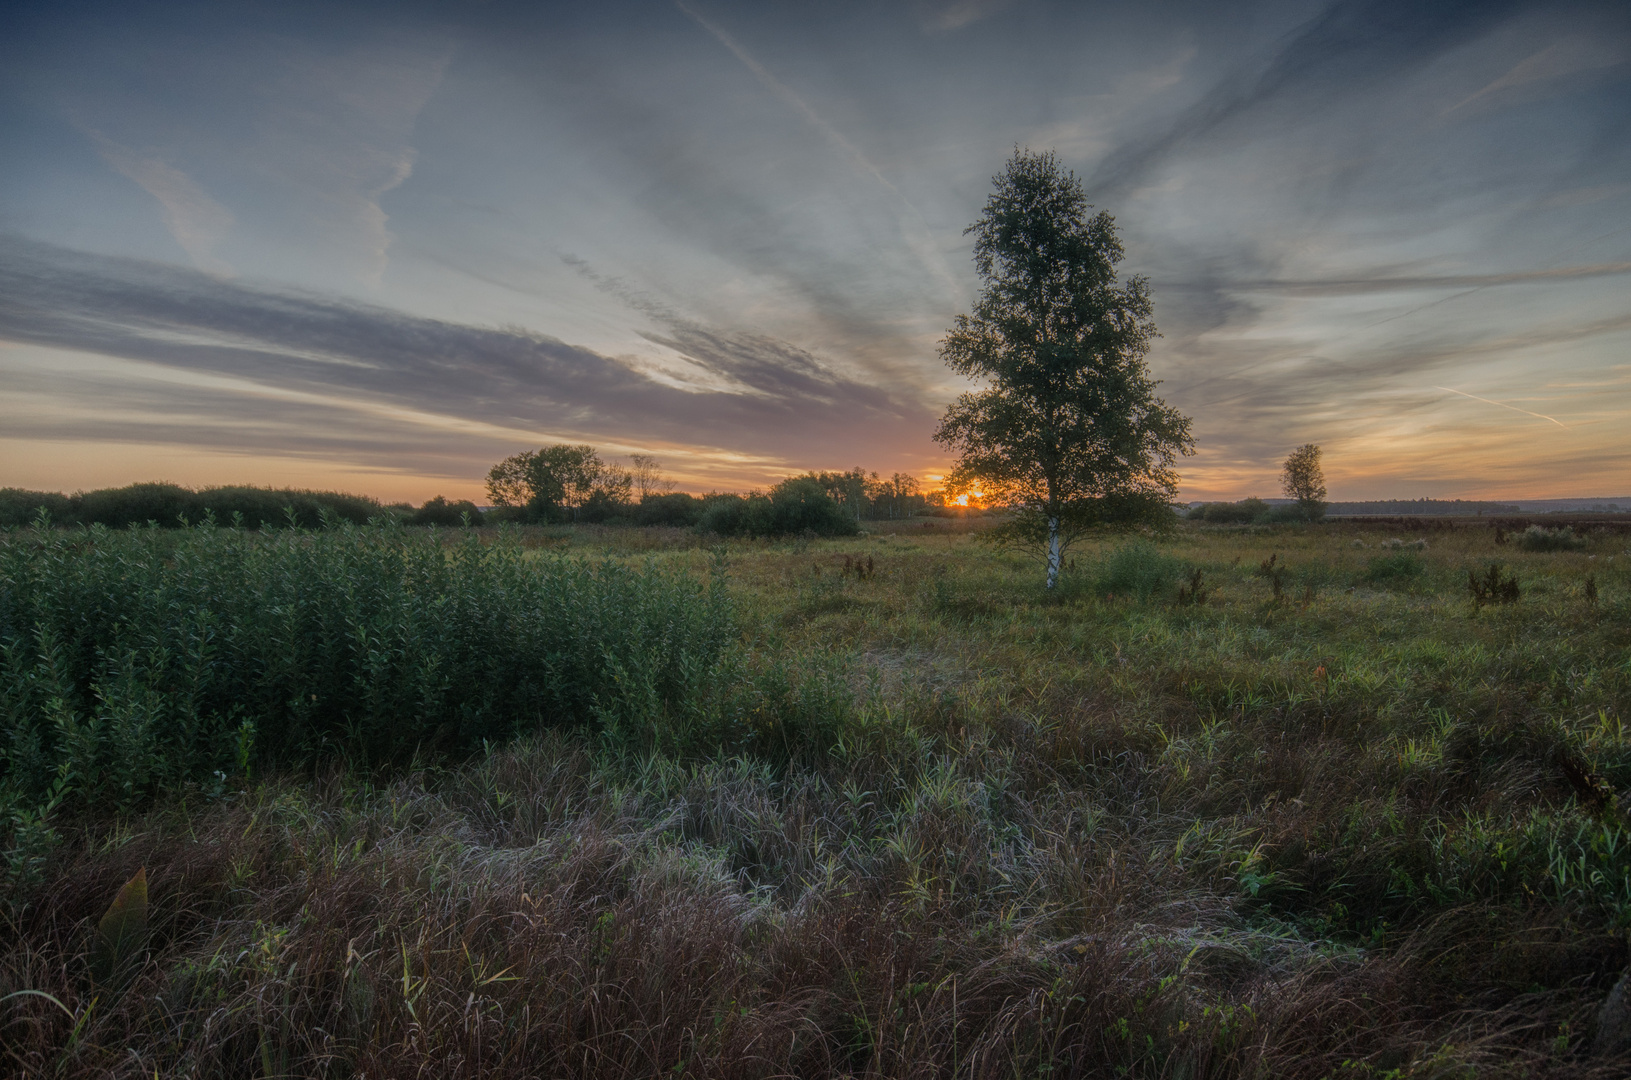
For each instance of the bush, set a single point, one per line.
(604, 508)
(676, 510)
(439, 511)
(148, 659)
(1138, 569)
(168, 505)
(1397, 568)
(20, 507)
(797, 505)
(1244, 512)
(1540, 538)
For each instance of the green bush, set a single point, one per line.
(1392, 569)
(1244, 512)
(148, 659)
(439, 511)
(675, 509)
(19, 506)
(1138, 569)
(796, 505)
(1540, 538)
(169, 505)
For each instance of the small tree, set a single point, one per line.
(1303, 480)
(1068, 429)
(647, 476)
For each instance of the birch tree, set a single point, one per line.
(1067, 430)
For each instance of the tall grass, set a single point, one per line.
(148, 659)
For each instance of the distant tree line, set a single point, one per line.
(1402, 507)
(551, 485)
(171, 505)
(568, 483)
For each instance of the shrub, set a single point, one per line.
(141, 660)
(1540, 538)
(1138, 569)
(675, 509)
(1396, 568)
(439, 511)
(605, 508)
(19, 507)
(1244, 512)
(796, 505)
(169, 505)
(1492, 587)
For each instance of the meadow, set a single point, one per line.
(1241, 801)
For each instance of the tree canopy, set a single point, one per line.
(1067, 429)
(1304, 480)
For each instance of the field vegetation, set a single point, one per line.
(1236, 801)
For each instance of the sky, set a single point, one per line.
(377, 248)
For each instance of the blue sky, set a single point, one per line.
(380, 247)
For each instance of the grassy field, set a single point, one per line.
(1239, 802)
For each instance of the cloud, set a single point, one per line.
(914, 230)
(790, 405)
(1352, 44)
(196, 221)
(1569, 56)
(337, 129)
(1359, 285)
(945, 15)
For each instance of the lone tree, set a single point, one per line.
(552, 479)
(1303, 480)
(1068, 429)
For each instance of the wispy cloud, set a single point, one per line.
(914, 230)
(1350, 45)
(197, 222)
(338, 129)
(790, 406)
(1570, 56)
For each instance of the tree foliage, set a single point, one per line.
(1067, 429)
(561, 481)
(1303, 479)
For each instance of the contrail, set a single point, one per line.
(915, 230)
(1504, 405)
(781, 90)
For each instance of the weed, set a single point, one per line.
(1274, 571)
(1494, 587)
(1196, 592)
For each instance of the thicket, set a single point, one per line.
(795, 506)
(439, 511)
(171, 505)
(1251, 511)
(1540, 538)
(147, 660)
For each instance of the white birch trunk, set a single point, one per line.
(1053, 552)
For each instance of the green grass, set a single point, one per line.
(925, 819)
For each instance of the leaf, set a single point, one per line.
(123, 930)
